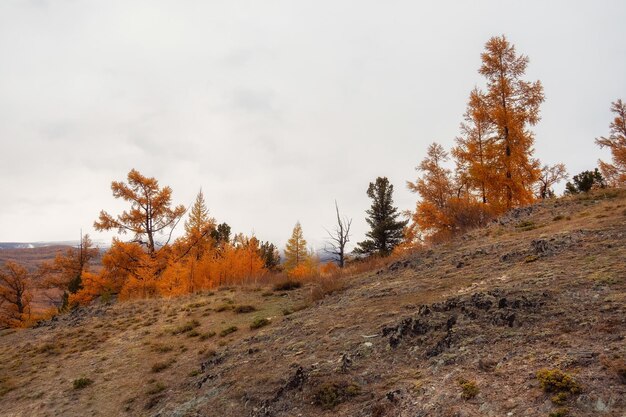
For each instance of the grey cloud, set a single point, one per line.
(274, 108)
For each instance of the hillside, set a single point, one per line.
(543, 287)
(31, 257)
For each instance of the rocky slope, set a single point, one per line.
(461, 329)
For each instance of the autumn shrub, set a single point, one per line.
(304, 270)
(223, 307)
(555, 380)
(81, 383)
(287, 285)
(259, 322)
(330, 270)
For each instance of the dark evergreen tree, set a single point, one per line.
(270, 255)
(386, 231)
(221, 234)
(584, 182)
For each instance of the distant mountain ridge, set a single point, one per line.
(33, 245)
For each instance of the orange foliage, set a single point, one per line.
(512, 105)
(94, 285)
(615, 173)
(151, 212)
(15, 295)
(329, 269)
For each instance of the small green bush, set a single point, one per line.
(259, 322)
(81, 383)
(561, 412)
(228, 330)
(205, 336)
(469, 389)
(554, 380)
(560, 398)
(287, 285)
(331, 394)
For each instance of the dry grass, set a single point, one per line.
(117, 345)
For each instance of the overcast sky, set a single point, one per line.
(274, 108)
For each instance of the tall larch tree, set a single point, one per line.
(199, 228)
(15, 295)
(66, 272)
(475, 150)
(436, 189)
(151, 212)
(513, 106)
(615, 173)
(386, 229)
(296, 252)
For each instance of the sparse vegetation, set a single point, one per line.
(331, 394)
(160, 366)
(560, 398)
(557, 381)
(259, 322)
(561, 412)
(228, 330)
(207, 335)
(469, 389)
(244, 309)
(156, 389)
(81, 383)
(187, 327)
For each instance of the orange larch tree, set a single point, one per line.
(296, 252)
(150, 213)
(15, 295)
(513, 106)
(436, 188)
(615, 173)
(66, 272)
(475, 151)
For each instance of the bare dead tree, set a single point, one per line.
(550, 175)
(339, 238)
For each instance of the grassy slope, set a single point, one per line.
(545, 287)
